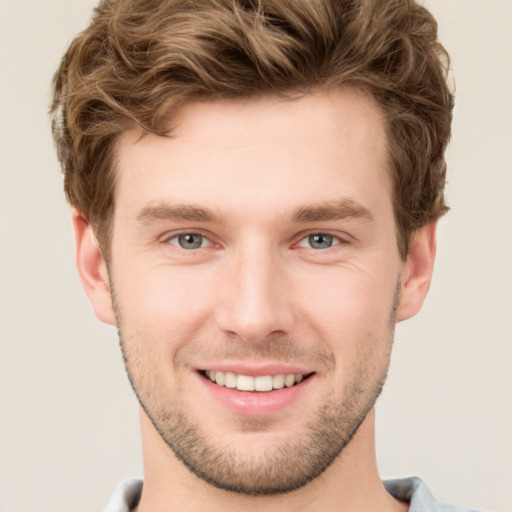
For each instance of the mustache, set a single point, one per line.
(275, 347)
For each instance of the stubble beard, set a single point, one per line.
(280, 468)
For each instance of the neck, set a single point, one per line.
(351, 483)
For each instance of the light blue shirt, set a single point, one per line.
(414, 490)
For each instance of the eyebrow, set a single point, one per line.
(329, 211)
(333, 210)
(180, 212)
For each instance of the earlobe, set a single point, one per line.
(92, 268)
(417, 272)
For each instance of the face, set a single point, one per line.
(255, 278)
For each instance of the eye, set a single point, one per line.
(189, 241)
(319, 241)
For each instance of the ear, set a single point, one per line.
(92, 268)
(417, 272)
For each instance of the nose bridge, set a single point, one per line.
(254, 301)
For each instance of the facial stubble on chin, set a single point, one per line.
(281, 468)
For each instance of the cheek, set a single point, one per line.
(344, 299)
(353, 316)
(163, 308)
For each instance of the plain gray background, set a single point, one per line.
(68, 421)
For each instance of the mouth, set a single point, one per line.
(260, 383)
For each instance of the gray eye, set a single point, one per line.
(320, 241)
(190, 241)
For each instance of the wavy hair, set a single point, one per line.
(140, 60)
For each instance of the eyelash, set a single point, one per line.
(177, 236)
(308, 238)
(334, 240)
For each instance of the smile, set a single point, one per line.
(262, 383)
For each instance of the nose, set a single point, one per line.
(254, 300)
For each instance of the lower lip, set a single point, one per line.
(254, 403)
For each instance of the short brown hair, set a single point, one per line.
(140, 60)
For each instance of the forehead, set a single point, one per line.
(231, 154)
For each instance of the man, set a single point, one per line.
(255, 187)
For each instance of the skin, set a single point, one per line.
(257, 293)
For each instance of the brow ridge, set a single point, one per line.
(179, 212)
(332, 210)
(328, 211)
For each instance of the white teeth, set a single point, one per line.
(249, 383)
(289, 380)
(219, 378)
(263, 383)
(230, 380)
(245, 383)
(278, 381)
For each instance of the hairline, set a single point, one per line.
(174, 118)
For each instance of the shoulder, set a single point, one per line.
(125, 497)
(415, 491)
(127, 494)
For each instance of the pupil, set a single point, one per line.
(320, 241)
(190, 241)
